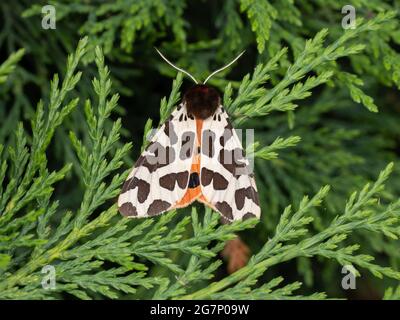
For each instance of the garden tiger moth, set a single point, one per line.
(195, 155)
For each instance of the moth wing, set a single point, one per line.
(226, 178)
(160, 176)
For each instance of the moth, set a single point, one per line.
(195, 155)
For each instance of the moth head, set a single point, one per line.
(201, 101)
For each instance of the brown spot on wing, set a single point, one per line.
(219, 182)
(128, 210)
(248, 215)
(158, 206)
(143, 188)
(225, 209)
(169, 180)
(182, 179)
(253, 195)
(206, 176)
(242, 194)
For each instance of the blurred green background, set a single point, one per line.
(342, 142)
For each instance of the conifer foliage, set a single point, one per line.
(322, 102)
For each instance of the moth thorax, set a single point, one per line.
(201, 101)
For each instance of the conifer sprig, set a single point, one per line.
(8, 66)
(97, 254)
(253, 100)
(360, 213)
(79, 244)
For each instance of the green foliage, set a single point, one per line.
(80, 244)
(260, 14)
(253, 100)
(8, 66)
(287, 243)
(392, 294)
(63, 159)
(128, 19)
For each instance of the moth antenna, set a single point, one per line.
(224, 67)
(177, 68)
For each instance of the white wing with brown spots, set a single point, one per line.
(160, 176)
(226, 179)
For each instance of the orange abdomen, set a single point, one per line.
(194, 193)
